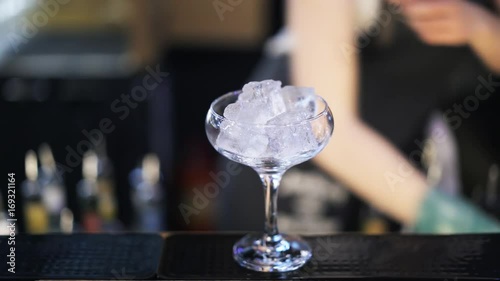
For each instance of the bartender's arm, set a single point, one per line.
(324, 56)
(455, 23)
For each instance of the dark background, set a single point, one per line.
(205, 55)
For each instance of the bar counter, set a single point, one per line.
(208, 256)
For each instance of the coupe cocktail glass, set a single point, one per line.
(271, 251)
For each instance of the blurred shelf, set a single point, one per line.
(72, 55)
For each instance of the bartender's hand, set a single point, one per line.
(440, 213)
(455, 23)
(444, 22)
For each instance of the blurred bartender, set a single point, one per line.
(382, 87)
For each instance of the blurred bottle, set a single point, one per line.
(67, 221)
(87, 191)
(374, 223)
(440, 156)
(106, 202)
(487, 196)
(4, 224)
(491, 200)
(52, 187)
(195, 175)
(147, 195)
(36, 217)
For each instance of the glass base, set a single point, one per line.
(278, 253)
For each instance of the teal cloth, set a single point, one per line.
(444, 214)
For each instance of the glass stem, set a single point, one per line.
(271, 183)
